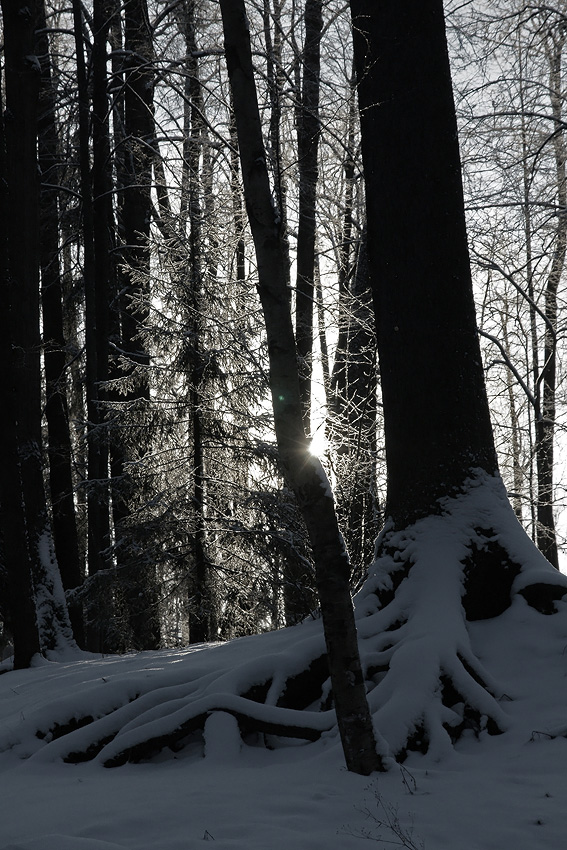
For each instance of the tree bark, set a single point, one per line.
(139, 144)
(96, 199)
(338, 376)
(19, 320)
(545, 422)
(308, 133)
(98, 324)
(135, 145)
(437, 429)
(25, 523)
(202, 623)
(303, 471)
(55, 356)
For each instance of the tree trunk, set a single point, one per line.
(27, 545)
(346, 266)
(202, 624)
(303, 471)
(277, 81)
(308, 133)
(545, 423)
(135, 145)
(438, 429)
(96, 199)
(517, 474)
(139, 131)
(98, 324)
(20, 290)
(55, 356)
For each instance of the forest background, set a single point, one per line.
(144, 389)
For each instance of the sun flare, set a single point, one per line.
(319, 443)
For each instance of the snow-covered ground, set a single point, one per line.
(497, 793)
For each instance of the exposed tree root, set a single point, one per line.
(138, 745)
(59, 730)
(426, 685)
(467, 563)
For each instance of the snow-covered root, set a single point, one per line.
(148, 735)
(426, 685)
(274, 693)
(428, 581)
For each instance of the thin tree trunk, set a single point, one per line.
(203, 616)
(308, 134)
(55, 358)
(96, 271)
(199, 624)
(135, 143)
(303, 471)
(338, 376)
(322, 333)
(545, 423)
(99, 325)
(516, 496)
(528, 237)
(237, 211)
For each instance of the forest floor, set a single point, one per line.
(505, 792)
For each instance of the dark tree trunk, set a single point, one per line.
(304, 472)
(515, 439)
(308, 133)
(96, 209)
(87, 232)
(191, 262)
(20, 292)
(25, 524)
(202, 624)
(276, 80)
(438, 428)
(55, 346)
(98, 325)
(297, 586)
(135, 144)
(139, 131)
(237, 210)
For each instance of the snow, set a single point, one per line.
(497, 792)
(488, 792)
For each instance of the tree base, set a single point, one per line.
(469, 562)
